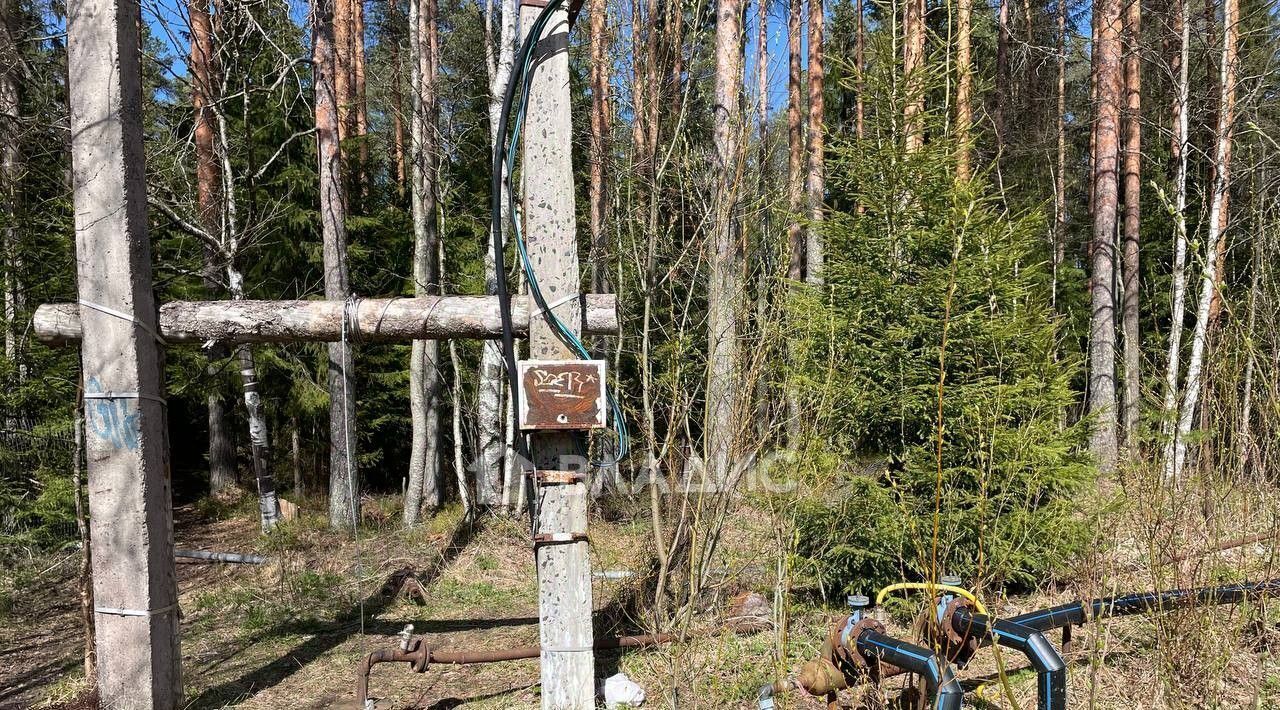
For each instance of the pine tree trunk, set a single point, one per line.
(424, 372)
(964, 90)
(639, 87)
(343, 19)
(795, 183)
(859, 66)
(675, 40)
(489, 400)
(1132, 225)
(222, 457)
(913, 73)
(360, 113)
(1181, 146)
(1060, 174)
(397, 104)
(795, 146)
(763, 247)
(344, 499)
(1002, 74)
(598, 196)
(722, 295)
(815, 180)
(653, 94)
(1217, 225)
(1102, 330)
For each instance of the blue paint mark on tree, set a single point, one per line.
(115, 420)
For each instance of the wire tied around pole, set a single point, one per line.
(350, 308)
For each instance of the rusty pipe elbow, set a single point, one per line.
(820, 677)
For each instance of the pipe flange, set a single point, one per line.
(959, 647)
(420, 656)
(847, 644)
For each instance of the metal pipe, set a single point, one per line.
(1051, 670)
(938, 674)
(857, 648)
(420, 656)
(1080, 612)
(232, 557)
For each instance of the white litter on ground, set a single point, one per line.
(622, 692)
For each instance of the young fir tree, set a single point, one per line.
(973, 472)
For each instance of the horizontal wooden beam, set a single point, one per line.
(368, 319)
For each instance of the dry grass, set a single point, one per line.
(289, 634)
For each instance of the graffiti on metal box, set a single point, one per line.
(562, 394)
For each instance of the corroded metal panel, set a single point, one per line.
(562, 394)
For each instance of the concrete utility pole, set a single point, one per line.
(564, 567)
(120, 330)
(127, 447)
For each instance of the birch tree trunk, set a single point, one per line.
(259, 444)
(222, 456)
(722, 295)
(424, 374)
(229, 239)
(295, 459)
(344, 499)
(1102, 329)
(1132, 224)
(815, 182)
(459, 466)
(1178, 308)
(489, 407)
(10, 169)
(1217, 225)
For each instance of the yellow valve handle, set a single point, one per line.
(884, 593)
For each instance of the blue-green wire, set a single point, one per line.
(565, 334)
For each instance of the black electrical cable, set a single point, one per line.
(499, 260)
(561, 330)
(503, 166)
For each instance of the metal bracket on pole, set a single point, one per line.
(559, 538)
(554, 478)
(575, 8)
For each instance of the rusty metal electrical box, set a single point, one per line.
(562, 394)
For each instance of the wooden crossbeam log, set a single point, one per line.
(370, 319)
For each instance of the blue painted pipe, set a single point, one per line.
(938, 674)
(1051, 670)
(1079, 612)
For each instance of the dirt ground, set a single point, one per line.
(291, 632)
